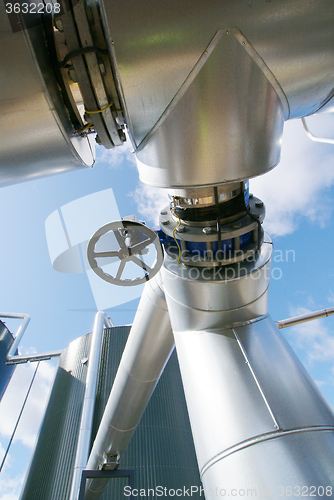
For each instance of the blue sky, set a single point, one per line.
(299, 197)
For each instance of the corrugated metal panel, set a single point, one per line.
(161, 451)
(51, 468)
(6, 371)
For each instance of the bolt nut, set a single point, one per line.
(237, 226)
(180, 229)
(103, 70)
(59, 25)
(163, 212)
(165, 222)
(259, 204)
(207, 230)
(72, 75)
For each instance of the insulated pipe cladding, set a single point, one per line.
(260, 425)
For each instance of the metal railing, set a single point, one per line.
(15, 359)
(303, 318)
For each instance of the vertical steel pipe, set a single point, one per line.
(88, 403)
(260, 425)
(146, 353)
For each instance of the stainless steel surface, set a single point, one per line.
(206, 298)
(14, 359)
(148, 348)
(253, 409)
(157, 46)
(20, 331)
(207, 78)
(43, 356)
(314, 137)
(6, 372)
(200, 197)
(86, 424)
(303, 318)
(198, 100)
(213, 129)
(151, 452)
(292, 465)
(50, 470)
(36, 137)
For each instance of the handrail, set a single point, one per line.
(14, 359)
(314, 137)
(323, 313)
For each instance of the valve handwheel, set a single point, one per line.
(134, 239)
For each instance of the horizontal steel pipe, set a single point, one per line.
(303, 318)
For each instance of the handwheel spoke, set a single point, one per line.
(120, 269)
(141, 264)
(140, 246)
(119, 238)
(111, 253)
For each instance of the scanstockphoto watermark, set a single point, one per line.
(198, 491)
(192, 270)
(190, 491)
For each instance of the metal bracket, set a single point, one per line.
(106, 474)
(111, 462)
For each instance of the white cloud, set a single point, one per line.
(299, 186)
(330, 298)
(313, 337)
(150, 200)
(116, 156)
(10, 487)
(35, 407)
